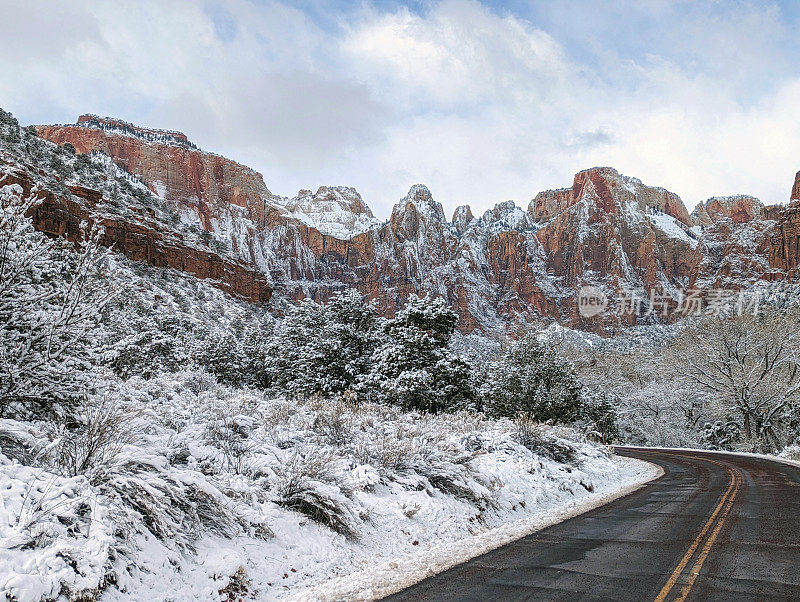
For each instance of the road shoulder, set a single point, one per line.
(400, 573)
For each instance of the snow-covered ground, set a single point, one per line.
(375, 578)
(213, 493)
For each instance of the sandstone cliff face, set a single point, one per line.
(139, 237)
(795, 195)
(172, 167)
(784, 252)
(740, 209)
(508, 265)
(611, 191)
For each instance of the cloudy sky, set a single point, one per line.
(481, 101)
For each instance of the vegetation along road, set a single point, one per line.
(713, 527)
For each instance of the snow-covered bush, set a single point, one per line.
(93, 441)
(528, 378)
(791, 452)
(307, 483)
(323, 349)
(543, 440)
(50, 301)
(415, 367)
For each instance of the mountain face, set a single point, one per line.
(504, 267)
(75, 189)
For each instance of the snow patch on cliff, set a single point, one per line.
(672, 228)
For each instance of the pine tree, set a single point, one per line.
(415, 368)
(528, 379)
(323, 349)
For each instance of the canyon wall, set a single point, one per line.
(499, 269)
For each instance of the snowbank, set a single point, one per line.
(227, 494)
(378, 579)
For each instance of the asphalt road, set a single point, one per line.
(714, 527)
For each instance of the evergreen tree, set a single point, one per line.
(528, 379)
(323, 349)
(415, 368)
(600, 415)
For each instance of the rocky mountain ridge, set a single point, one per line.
(503, 268)
(72, 190)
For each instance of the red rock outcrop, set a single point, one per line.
(611, 191)
(608, 231)
(172, 167)
(141, 239)
(784, 252)
(740, 209)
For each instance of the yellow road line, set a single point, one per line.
(673, 579)
(710, 542)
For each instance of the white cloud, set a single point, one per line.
(479, 104)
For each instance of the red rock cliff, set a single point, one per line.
(170, 165)
(138, 238)
(606, 230)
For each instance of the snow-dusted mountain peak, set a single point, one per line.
(506, 216)
(462, 218)
(338, 211)
(421, 198)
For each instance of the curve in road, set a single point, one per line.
(713, 527)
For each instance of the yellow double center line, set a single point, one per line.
(714, 525)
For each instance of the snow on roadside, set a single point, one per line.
(330, 500)
(378, 579)
(790, 454)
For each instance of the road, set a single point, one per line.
(714, 527)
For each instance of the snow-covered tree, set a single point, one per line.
(323, 349)
(415, 368)
(146, 344)
(600, 415)
(749, 366)
(50, 299)
(654, 405)
(528, 379)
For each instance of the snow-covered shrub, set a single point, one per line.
(322, 349)
(542, 440)
(307, 483)
(791, 452)
(93, 441)
(57, 536)
(51, 296)
(600, 415)
(528, 378)
(455, 477)
(389, 450)
(720, 434)
(173, 504)
(415, 368)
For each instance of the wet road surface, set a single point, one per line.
(714, 527)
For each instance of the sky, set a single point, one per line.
(481, 101)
